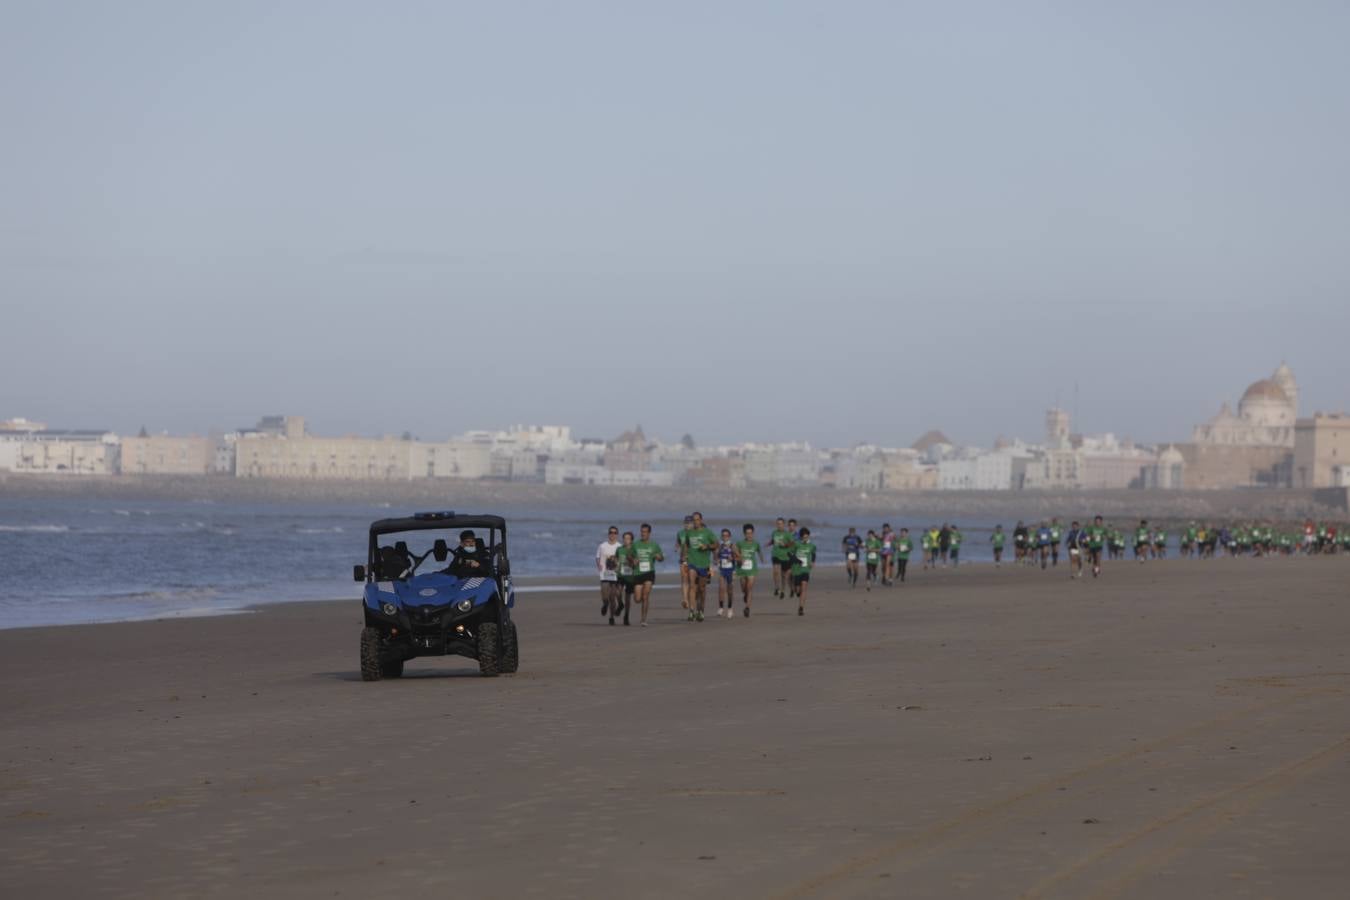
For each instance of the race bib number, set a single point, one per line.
(852, 557)
(871, 557)
(644, 566)
(748, 565)
(728, 564)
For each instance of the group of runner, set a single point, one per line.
(627, 567)
(884, 555)
(627, 562)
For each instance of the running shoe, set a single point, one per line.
(700, 617)
(801, 611)
(747, 612)
(611, 620)
(643, 624)
(691, 615)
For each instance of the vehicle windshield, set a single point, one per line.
(403, 554)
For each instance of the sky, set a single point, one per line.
(841, 222)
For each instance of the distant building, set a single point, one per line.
(1167, 473)
(449, 459)
(1057, 429)
(1265, 417)
(163, 454)
(21, 424)
(992, 471)
(222, 454)
(726, 473)
(630, 452)
(1322, 451)
(260, 455)
(56, 451)
(782, 465)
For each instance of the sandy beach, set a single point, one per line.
(1179, 729)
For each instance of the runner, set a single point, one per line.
(627, 570)
(1141, 539)
(725, 559)
(804, 558)
(887, 551)
(934, 542)
(1160, 543)
(997, 539)
(873, 555)
(700, 542)
(903, 547)
(646, 554)
(944, 543)
(1076, 542)
(852, 547)
(1056, 534)
(1020, 542)
(610, 589)
(749, 555)
(955, 538)
(686, 588)
(780, 542)
(1096, 539)
(1117, 543)
(1043, 542)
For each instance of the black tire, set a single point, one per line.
(510, 649)
(372, 643)
(488, 650)
(392, 669)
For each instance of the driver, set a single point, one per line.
(469, 558)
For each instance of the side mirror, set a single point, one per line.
(439, 550)
(359, 573)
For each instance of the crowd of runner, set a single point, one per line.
(627, 563)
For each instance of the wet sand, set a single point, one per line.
(1174, 730)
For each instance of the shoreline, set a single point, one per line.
(578, 585)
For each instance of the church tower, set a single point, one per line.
(1285, 379)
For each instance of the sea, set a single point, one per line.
(68, 560)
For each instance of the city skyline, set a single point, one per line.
(1032, 433)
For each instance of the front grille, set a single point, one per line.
(427, 619)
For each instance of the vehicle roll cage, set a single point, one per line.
(442, 521)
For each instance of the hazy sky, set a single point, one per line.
(835, 221)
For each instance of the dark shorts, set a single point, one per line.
(645, 578)
(701, 573)
(801, 578)
(727, 574)
(784, 565)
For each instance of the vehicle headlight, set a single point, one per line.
(388, 609)
(464, 605)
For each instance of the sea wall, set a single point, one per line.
(1266, 503)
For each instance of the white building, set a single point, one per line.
(49, 451)
(977, 472)
(782, 465)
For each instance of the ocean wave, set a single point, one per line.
(35, 529)
(542, 535)
(336, 529)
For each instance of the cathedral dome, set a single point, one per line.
(1265, 390)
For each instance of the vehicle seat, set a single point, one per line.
(394, 561)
